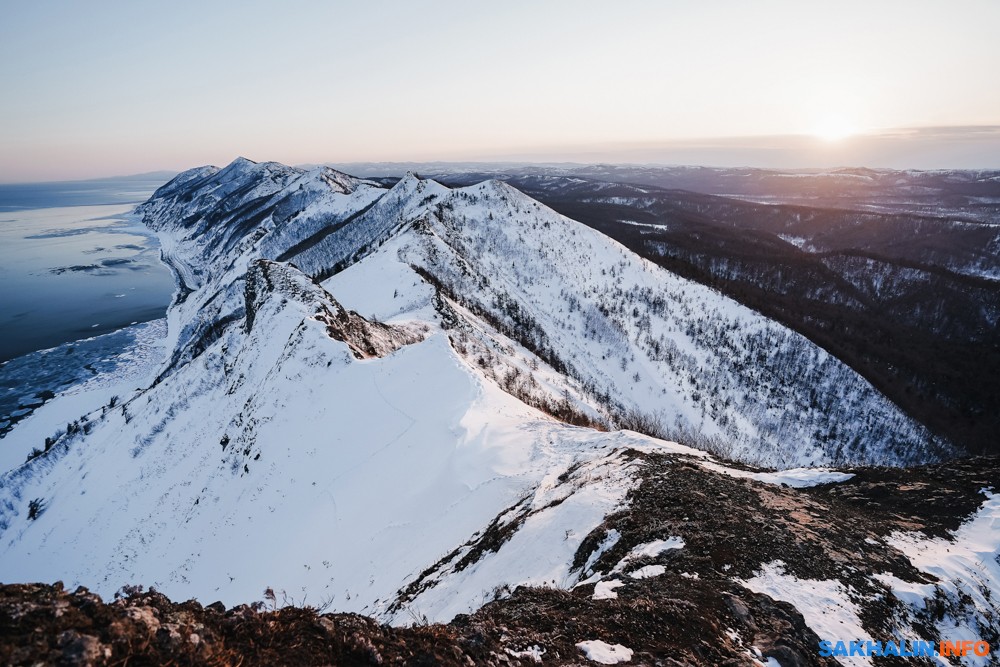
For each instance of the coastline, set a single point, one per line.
(38, 387)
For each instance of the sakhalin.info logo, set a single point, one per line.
(905, 649)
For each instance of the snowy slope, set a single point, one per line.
(633, 339)
(370, 460)
(637, 339)
(280, 459)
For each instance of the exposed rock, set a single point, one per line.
(695, 612)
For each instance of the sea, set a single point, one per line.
(80, 281)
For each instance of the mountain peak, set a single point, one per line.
(336, 181)
(241, 161)
(411, 185)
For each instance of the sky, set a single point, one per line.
(90, 89)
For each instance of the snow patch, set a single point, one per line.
(966, 569)
(559, 516)
(797, 478)
(649, 550)
(647, 572)
(604, 653)
(535, 653)
(824, 604)
(610, 540)
(796, 241)
(605, 590)
(909, 592)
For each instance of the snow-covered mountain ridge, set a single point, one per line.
(359, 402)
(632, 338)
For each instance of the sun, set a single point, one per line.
(834, 128)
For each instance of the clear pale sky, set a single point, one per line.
(99, 88)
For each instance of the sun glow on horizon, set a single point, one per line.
(789, 84)
(833, 129)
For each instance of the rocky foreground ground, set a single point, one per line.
(696, 612)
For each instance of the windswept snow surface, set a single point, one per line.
(287, 442)
(558, 515)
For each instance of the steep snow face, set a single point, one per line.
(390, 467)
(637, 340)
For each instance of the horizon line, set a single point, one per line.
(719, 152)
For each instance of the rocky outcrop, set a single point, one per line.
(688, 605)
